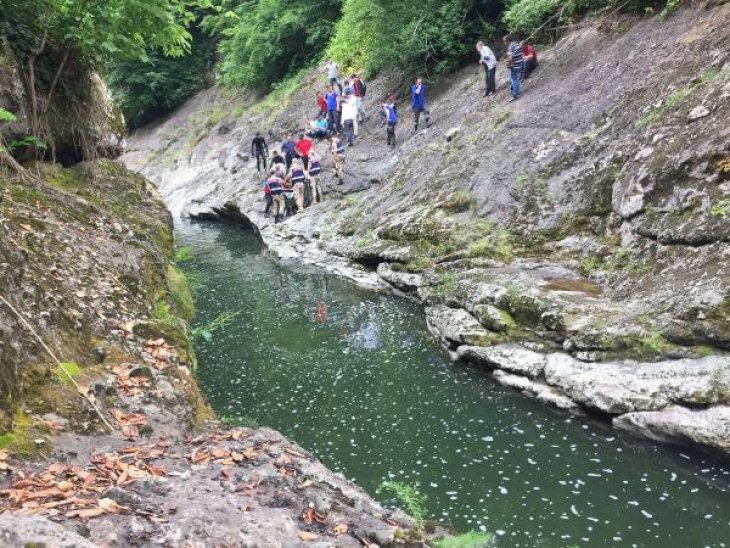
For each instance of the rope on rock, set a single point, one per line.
(58, 362)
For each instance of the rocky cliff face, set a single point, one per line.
(587, 223)
(116, 445)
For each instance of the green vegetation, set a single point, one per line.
(494, 246)
(428, 37)
(368, 238)
(721, 208)
(263, 41)
(206, 330)
(180, 293)
(66, 369)
(655, 344)
(472, 539)
(183, 254)
(150, 87)
(239, 421)
(460, 201)
(59, 43)
(542, 16)
(409, 496)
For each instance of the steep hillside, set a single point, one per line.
(575, 241)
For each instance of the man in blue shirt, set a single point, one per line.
(332, 98)
(418, 103)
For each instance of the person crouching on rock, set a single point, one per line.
(337, 147)
(315, 168)
(297, 178)
(274, 187)
(529, 59)
(277, 159)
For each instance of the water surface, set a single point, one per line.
(354, 377)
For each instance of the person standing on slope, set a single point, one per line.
(349, 117)
(333, 73)
(418, 103)
(332, 98)
(390, 115)
(514, 64)
(259, 150)
(315, 168)
(288, 148)
(489, 60)
(321, 104)
(337, 147)
(302, 148)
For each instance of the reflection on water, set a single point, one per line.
(354, 377)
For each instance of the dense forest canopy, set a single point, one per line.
(157, 53)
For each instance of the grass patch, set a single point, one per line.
(495, 246)
(19, 441)
(409, 497)
(473, 539)
(184, 254)
(368, 238)
(721, 208)
(654, 345)
(460, 201)
(71, 368)
(180, 293)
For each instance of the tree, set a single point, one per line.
(56, 41)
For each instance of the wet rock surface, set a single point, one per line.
(586, 221)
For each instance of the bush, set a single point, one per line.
(148, 89)
(427, 37)
(263, 41)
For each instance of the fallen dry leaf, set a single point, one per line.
(26, 227)
(340, 529)
(110, 506)
(130, 432)
(307, 536)
(308, 483)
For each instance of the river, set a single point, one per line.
(355, 377)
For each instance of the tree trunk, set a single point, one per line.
(56, 77)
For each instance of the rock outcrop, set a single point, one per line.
(586, 223)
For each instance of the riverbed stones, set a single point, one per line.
(456, 326)
(510, 357)
(708, 427)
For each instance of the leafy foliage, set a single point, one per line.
(262, 41)
(424, 37)
(413, 501)
(149, 88)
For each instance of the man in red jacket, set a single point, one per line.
(302, 148)
(529, 58)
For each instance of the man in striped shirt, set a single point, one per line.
(514, 63)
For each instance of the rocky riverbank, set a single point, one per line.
(86, 258)
(573, 241)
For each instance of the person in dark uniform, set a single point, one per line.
(260, 150)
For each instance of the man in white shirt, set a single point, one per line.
(349, 117)
(489, 60)
(333, 73)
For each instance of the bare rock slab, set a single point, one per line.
(456, 326)
(708, 427)
(619, 388)
(510, 357)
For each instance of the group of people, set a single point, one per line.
(292, 181)
(521, 60)
(292, 177)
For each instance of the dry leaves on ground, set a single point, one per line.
(129, 385)
(163, 353)
(76, 492)
(4, 460)
(310, 516)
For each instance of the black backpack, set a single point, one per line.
(363, 88)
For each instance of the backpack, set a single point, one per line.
(314, 167)
(340, 147)
(363, 88)
(392, 114)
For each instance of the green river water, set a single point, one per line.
(354, 377)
